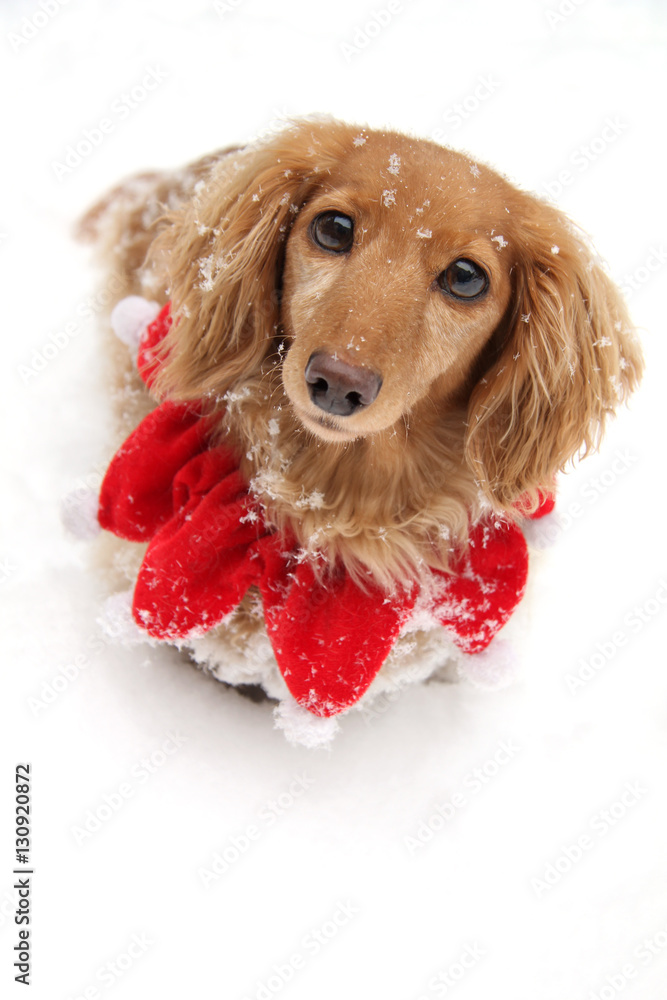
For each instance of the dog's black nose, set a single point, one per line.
(339, 388)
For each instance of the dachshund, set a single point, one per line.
(396, 340)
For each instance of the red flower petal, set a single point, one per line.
(201, 563)
(136, 497)
(330, 639)
(148, 361)
(486, 583)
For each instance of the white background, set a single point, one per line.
(411, 911)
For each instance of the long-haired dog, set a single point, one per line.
(395, 340)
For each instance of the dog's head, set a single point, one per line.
(398, 277)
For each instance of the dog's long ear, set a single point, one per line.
(566, 358)
(222, 256)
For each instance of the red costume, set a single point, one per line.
(208, 543)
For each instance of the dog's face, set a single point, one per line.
(402, 280)
(397, 274)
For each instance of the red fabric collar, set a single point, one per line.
(208, 544)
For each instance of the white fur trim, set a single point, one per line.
(422, 651)
(78, 513)
(117, 623)
(130, 317)
(302, 727)
(495, 667)
(542, 532)
(254, 663)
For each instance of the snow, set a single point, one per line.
(394, 164)
(523, 827)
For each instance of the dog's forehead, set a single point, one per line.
(422, 177)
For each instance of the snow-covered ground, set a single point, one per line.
(458, 843)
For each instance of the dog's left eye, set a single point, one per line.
(332, 231)
(464, 279)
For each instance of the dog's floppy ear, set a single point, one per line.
(222, 254)
(566, 357)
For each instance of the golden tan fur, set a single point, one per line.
(481, 402)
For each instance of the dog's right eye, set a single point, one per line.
(332, 231)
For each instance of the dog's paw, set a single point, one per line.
(303, 728)
(495, 667)
(78, 514)
(130, 317)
